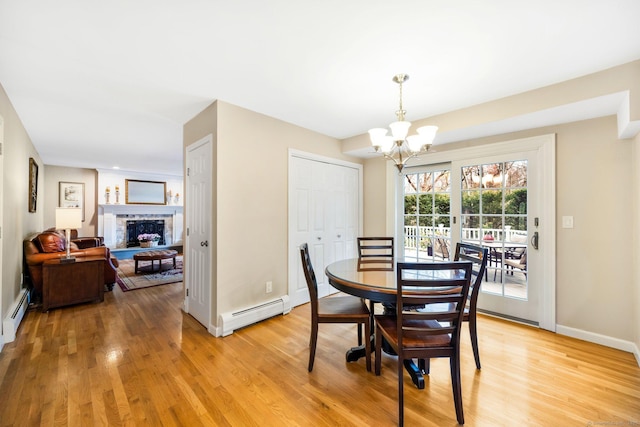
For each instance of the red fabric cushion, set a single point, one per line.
(51, 242)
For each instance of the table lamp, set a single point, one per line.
(66, 219)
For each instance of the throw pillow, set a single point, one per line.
(51, 242)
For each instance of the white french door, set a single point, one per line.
(497, 201)
(501, 196)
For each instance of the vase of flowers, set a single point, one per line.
(148, 240)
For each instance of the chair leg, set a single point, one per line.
(372, 307)
(473, 333)
(378, 339)
(400, 391)
(454, 362)
(359, 334)
(367, 344)
(312, 344)
(424, 365)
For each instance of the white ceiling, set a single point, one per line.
(103, 84)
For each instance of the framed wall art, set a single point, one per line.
(145, 192)
(33, 185)
(71, 195)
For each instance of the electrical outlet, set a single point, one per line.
(269, 287)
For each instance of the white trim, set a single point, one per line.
(605, 340)
(325, 159)
(14, 316)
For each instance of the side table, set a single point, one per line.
(72, 283)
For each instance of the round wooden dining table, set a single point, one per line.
(374, 280)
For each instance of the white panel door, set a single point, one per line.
(198, 240)
(324, 212)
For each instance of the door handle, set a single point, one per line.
(205, 243)
(534, 240)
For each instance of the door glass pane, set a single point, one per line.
(494, 214)
(492, 202)
(470, 177)
(470, 202)
(427, 215)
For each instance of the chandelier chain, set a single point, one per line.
(400, 78)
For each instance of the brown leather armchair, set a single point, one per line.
(47, 245)
(81, 242)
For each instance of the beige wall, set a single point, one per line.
(635, 315)
(376, 189)
(89, 177)
(251, 200)
(597, 287)
(17, 222)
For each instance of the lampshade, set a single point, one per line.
(68, 218)
(400, 129)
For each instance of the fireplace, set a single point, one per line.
(113, 222)
(144, 226)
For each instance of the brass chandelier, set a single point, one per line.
(398, 147)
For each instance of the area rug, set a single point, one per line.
(128, 280)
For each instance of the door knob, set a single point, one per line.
(205, 243)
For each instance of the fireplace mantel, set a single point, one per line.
(108, 220)
(139, 209)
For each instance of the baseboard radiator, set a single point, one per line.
(14, 316)
(229, 322)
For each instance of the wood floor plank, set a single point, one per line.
(136, 359)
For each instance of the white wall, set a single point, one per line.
(112, 178)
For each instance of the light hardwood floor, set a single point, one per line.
(136, 359)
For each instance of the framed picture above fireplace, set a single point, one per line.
(139, 192)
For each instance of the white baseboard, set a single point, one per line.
(230, 321)
(14, 316)
(616, 343)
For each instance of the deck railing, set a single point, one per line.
(412, 234)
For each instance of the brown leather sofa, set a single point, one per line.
(47, 245)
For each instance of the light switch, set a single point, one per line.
(567, 222)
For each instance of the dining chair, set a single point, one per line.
(441, 248)
(333, 309)
(478, 256)
(416, 334)
(375, 248)
(520, 263)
